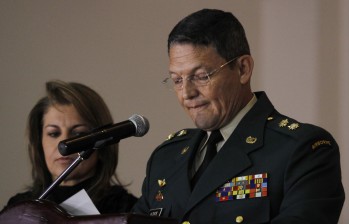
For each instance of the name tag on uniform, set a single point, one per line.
(155, 212)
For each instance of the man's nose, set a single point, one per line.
(189, 90)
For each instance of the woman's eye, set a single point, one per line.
(75, 134)
(53, 134)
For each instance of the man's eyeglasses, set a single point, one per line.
(201, 79)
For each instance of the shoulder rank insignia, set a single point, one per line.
(170, 136)
(283, 123)
(178, 134)
(293, 126)
(181, 133)
(244, 187)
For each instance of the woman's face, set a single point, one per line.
(59, 123)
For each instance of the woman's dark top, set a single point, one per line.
(114, 200)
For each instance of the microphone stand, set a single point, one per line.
(82, 156)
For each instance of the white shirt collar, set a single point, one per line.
(227, 130)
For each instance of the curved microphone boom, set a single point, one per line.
(136, 125)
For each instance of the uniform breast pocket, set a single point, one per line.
(246, 211)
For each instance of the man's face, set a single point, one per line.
(214, 105)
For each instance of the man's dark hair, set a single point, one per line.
(212, 27)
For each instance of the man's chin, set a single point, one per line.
(203, 124)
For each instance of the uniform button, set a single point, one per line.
(239, 219)
(186, 222)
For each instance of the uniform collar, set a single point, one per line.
(227, 130)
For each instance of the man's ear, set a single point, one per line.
(245, 64)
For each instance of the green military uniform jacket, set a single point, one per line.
(272, 169)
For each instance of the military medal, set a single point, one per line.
(159, 196)
(244, 187)
(162, 183)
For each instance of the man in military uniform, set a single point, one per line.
(245, 162)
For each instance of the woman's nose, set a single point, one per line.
(63, 136)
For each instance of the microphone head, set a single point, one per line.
(141, 123)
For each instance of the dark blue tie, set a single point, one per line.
(211, 152)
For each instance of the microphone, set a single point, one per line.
(136, 125)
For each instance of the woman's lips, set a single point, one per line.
(65, 160)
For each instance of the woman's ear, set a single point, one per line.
(245, 64)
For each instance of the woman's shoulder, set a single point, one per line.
(119, 194)
(116, 200)
(19, 197)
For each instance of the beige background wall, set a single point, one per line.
(301, 50)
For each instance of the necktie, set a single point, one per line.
(211, 152)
